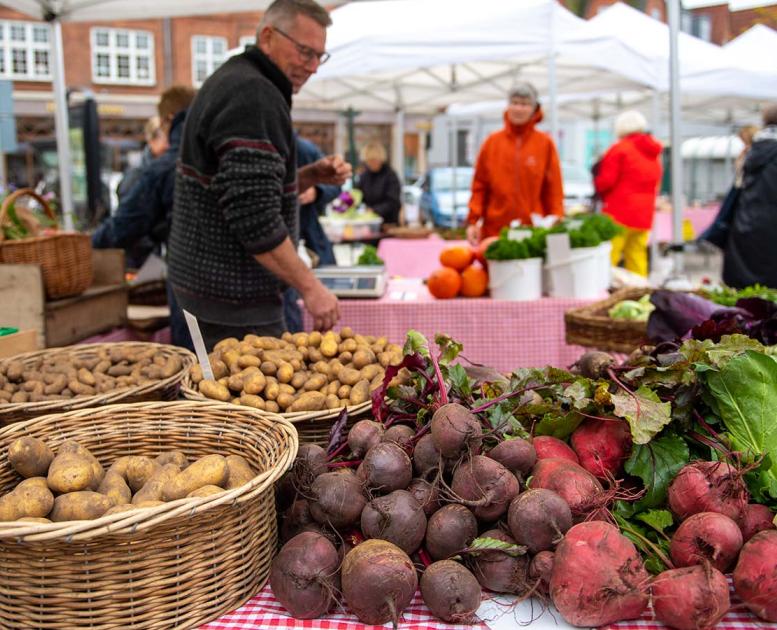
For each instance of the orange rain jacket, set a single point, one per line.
(517, 174)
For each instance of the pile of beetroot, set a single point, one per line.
(455, 502)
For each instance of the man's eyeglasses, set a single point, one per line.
(307, 53)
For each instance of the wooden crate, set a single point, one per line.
(101, 307)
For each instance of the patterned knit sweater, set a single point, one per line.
(235, 191)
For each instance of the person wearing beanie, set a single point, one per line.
(517, 173)
(627, 180)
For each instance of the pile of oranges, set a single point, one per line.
(463, 273)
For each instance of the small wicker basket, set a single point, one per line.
(65, 258)
(592, 326)
(166, 389)
(177, 565)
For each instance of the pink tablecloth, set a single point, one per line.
(413, 258)
(700, 219)
(501, 334)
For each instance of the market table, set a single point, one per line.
(413, 258)
(501, 334)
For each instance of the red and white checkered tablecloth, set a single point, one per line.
(501, 334)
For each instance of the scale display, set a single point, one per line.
(364, 282)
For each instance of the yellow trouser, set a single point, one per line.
(631, 245)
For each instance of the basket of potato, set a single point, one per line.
(306, 377)
(89, 375)
(151, 515)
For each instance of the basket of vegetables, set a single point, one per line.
(617, 324)
(154, 515)
(65, 258)
(89, 375)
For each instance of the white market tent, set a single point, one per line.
(756, 48)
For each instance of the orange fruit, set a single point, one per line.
(458, 257)
(444, 283)
(474, 281)
(480, 251)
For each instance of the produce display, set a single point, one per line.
(299, 372)
(463, 273)
(71, 485)
(595, 489)
(61, 377)
(633, 310)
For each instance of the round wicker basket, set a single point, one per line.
(166, 389)
(177, 565)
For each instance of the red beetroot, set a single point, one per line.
(379, 581)
(500, 572)
(541, 568)
(339, 499)
(426, 457)
(303, 575)
(387, 467)
(755, 518)
(755, 576)
(515, 454)
(598, 576)
(450, 591)
(691, 598)
(486, 483)
(397, 518)
(546, 447)
(539, 519)
(399, 433)
(456, 431)
(449, 530)
(363, 436)
(295, 519)
(313, 458)
(427, 495)
(570, 481)
(706, 537)
(602, 446)
(708, 487)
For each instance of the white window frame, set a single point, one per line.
(29, 46)
(212, 62)
(113, 51)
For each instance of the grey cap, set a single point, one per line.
(524, 89)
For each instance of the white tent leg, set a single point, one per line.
(398, 145)
(678, 204)
(552, 85)
(61, 125)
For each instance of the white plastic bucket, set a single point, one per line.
(515, 279)
(605, 266)
(577, 277)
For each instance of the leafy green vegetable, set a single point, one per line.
(416, 343)
(657, 463)
(657, 519)
(505, 249)
(744, 392)
(726, 296)
(369, 257)
(494, 544)
(644, 412)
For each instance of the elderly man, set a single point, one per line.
(235, 222)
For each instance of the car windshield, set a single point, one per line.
(442, 178)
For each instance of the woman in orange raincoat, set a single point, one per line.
(517, 172)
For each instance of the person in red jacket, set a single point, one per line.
(627, 180)
(517, 172)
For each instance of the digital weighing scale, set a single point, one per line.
(353, 282)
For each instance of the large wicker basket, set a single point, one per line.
(166, 389)
(177, 565)
(65, 258)
(312, 426)
(592, 326)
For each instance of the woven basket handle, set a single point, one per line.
(26, 192)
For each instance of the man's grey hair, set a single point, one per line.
(524, 89)
(282, 14)
(769, 114)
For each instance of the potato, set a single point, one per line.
(369, 372)
(299, 379)
(271, 406)
(31, 497)
(139, 470)
(362, 358)
(344, 391)
(214, 390)
(209, 470)
(240, 472)
(332, 401)
(345, 357)
(115, 488)
(285, 400)
(30, 457)
(120, 509)
(376, 382)
(73, 471)
(172, 366)
(235, 383)
(205, 491)
(314, 355)
(5, 397)
(360, 393)
(14, 371)
(285, 373)
(195, 373)
(332, 387)
(249, 360)
(328, 345)
(348, 345)
(348, 376)
(315, 382)
(272, 391)
(148, 504)
(314, 339)
(346, 332)
(55, 383)
(268, 368)
(20, 397)
(255, 384)
(309, 401)
(219, 369)
(80, 506)
(250, 400)
(86, 377)
(172, 457)
(152, 489)
(34, 519)
(226, 344)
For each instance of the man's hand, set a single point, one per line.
(307, 196)
(322, 305)
(473, 233)
(331, 169)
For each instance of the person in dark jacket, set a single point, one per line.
(379, 184)
(311, 205)
(627, 179)
(750, 255)
(157, 143)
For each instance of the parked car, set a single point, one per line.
(439, 201)
(578, 187)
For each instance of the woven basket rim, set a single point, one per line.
(44, 237)
(592, 312)
(67, 404)
(144, 518)
(188, 391)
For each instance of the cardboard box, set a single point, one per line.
(19, 342)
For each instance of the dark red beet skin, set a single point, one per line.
(484, 480)
(539, 519)
(387, 467)
(449, 530)
(456, 431)
(397, 518)
(500, 572)
(450, 591)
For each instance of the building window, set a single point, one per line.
(122, 57)
(698, 25)
(207, 54)
(25, 52)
